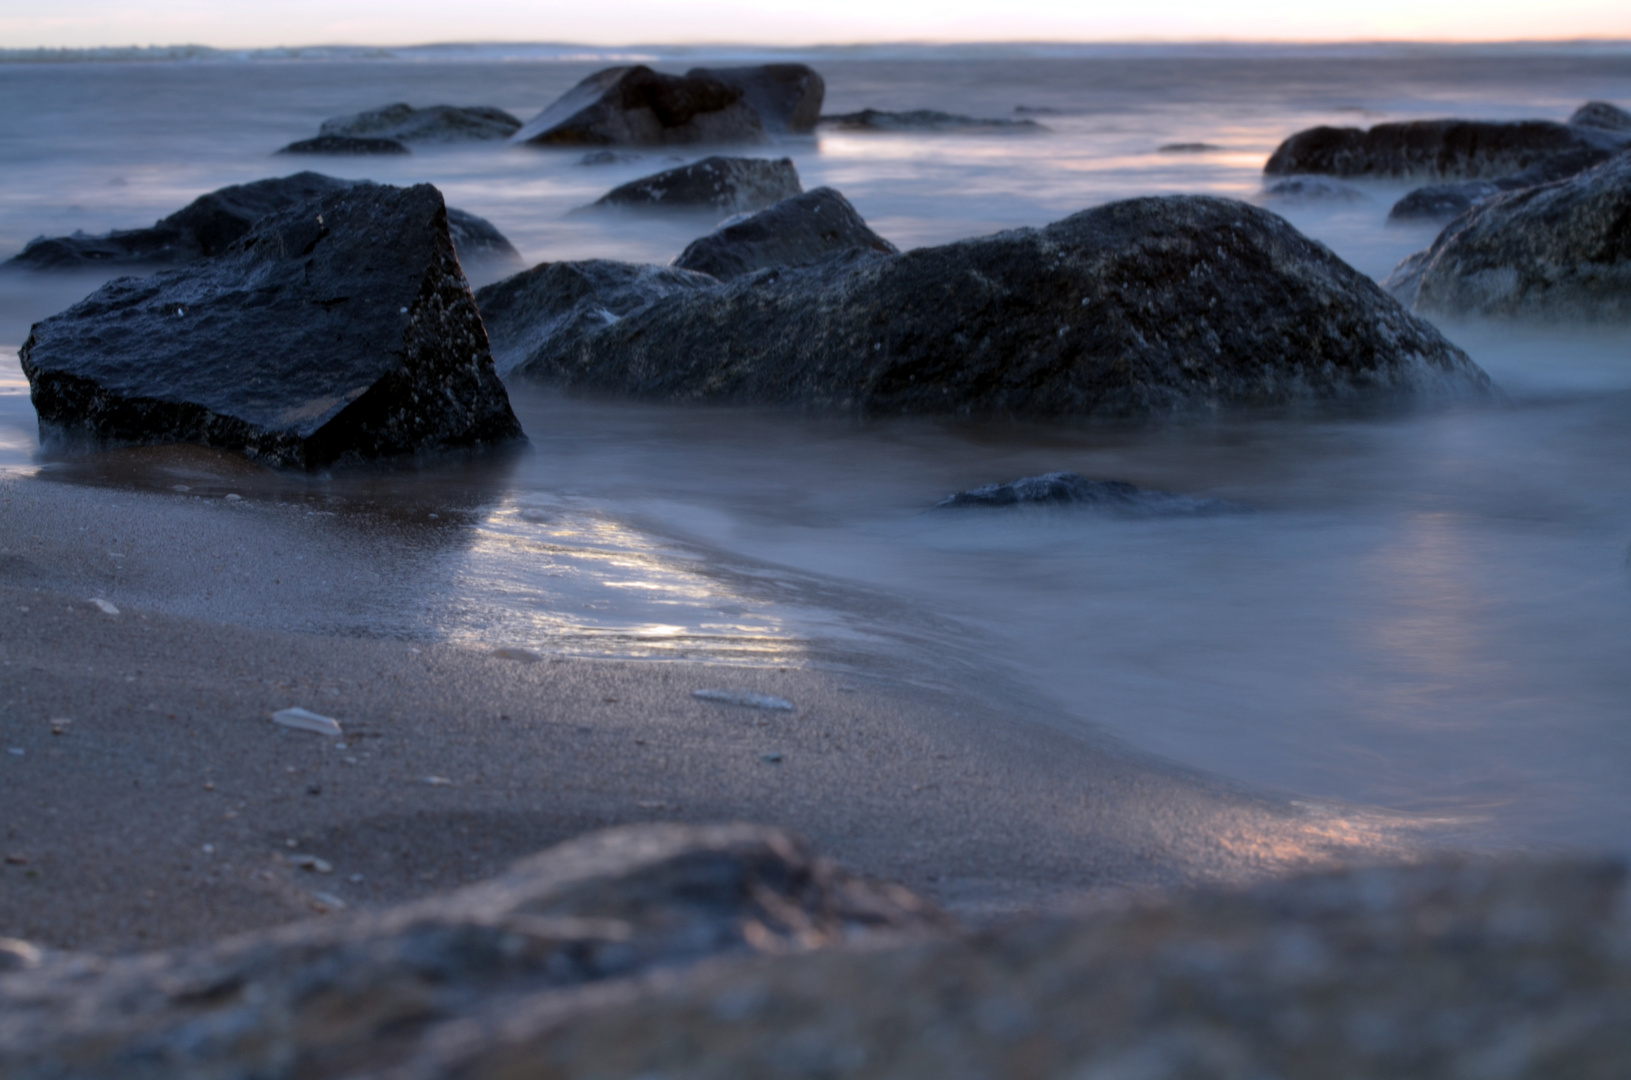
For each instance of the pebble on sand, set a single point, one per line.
(106, 606)
(745, 698)
(312, 863)
(305, 720)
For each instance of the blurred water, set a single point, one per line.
(1427, 612)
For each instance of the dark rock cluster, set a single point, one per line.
(1435, 149)
(334, 329)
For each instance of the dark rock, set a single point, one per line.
(345, 146)
(328, 997)
(1442, 202)
(787, 97)
(1071, 489)
(923, 120)
(1188, 148)
(1313, 189)
(433, 124)
(607, 157)
(210, 223)
(799, 231)
(339, 328)
(728, 185)
(635, 106)
(1600, 114)
(1560, 250)
(1145, 306)
(1447, 149)
(570, 300)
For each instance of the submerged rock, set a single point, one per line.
(210, 223)
(1313, 189)
(799, 231)
(1187, 148)
(330, 996)
(433, 124)
(345, 146)
(1145, 306)
(1072, 489)
(568, 300)
(339, 328)
(607, 157)
(1559, 250)
(1442, 202)
(787, 97)
(636, 106)
(728, 185)
(1601, 114)
(923, 120)
(1445, 149)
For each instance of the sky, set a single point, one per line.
(265, 23)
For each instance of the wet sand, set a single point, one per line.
(154, 801)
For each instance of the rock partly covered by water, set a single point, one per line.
(787, 97)
(1145, 306)
(432, 124)
(345, 146)
(210, 223)
(636, 106)
(1313, 189)
(569, 300)
(719, 185)
(1441, 202)
(799, 231)
(363, 992)
(338, 328)
(1601, 114)
(1560, 250)
(1073, 489)
(1436, 149)
(923, 120)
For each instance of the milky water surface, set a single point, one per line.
(1428, 612)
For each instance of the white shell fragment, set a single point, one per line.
(304, 720)
(106, 606)
(745, 698)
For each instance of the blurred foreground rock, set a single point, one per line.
(335, 329)
(1154, 305)
(694, 952)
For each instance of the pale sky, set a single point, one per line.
(254, 23)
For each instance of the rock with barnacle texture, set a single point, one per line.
(1557, 251)
(432, 124)
(379, 990)
(799, 231)
(1156, 305)
(714, 185)
(1436, 149)
(636, 106)
(339, 328)
(209, 224)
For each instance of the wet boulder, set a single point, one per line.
(210, 223)
(433, 124)
(636, 106)
(1074, 490)
(798, 231)
(787, 97)
(924, 120)
(1434, 149)
(1156, 305)
(1559, 250)
(1442, 202)
(345, 146)
(1601, 114)
(714, 185)
(335, 329)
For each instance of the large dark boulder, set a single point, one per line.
(1560, 250)
(345, 146)
(210, 223)
(1442, 202)
(636, 106)
(787, 97)
(568, 300)
(924, 120)
(717, 185)
(799, 231)
(1145, 306)
(339, 328)
(432, 124)
(1434, 149)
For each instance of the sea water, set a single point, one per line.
(1426, 612)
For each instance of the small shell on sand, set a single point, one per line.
(106, 606)
(304, 720)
